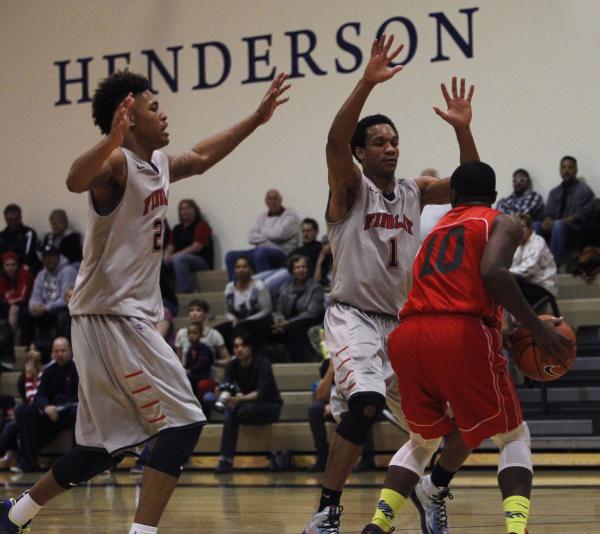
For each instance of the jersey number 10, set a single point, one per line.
(441, 265)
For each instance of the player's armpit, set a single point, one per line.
(186, 164)
(433, 190)
(344, 179)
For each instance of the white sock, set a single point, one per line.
(24, 510)
(136, 528)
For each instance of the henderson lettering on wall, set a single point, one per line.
(74, 79)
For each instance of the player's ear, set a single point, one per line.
(360, 153)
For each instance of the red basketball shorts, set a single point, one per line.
(453, 360)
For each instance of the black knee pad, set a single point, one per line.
(80, 465)
(364, 408)
(172, 449)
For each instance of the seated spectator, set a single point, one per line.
(28, 384)
(431, 213)
(17, 237)
(533, 264)
(570, 206)
(67, 241)
(301, 305)
(523, 199)
(274, 279)
(198, 311)
(274, 235)
(319, 412)
(16, 282)
(248, 304)
(257, 402)
(53, 409)
(47, 305)
(190, 246)
(198, 362)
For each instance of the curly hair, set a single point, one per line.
(359, 138)
(110, 93)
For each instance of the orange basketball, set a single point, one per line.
(530, 359)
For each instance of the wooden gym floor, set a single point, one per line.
(564, 501)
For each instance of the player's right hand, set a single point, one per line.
(122, 120)
(552, 344)
(379, 69)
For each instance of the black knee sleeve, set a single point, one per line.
(363, 410)
(80, 465)
(173, 448)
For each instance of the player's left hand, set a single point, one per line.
(459, 110)
(271, 101)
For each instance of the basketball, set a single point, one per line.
(530, 359)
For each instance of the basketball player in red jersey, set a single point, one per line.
(446, 351)
(132, 387)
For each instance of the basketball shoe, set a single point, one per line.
(6, 524)
(431, 504)
(372, 528)
(325, 522)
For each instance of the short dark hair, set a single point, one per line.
(312, 222)
(359, 138)
(247, 259)
(295, 258)
(12, 208)
(111, 92)
(523, 172)
(195, 324)
(246, 338)
(570, 158)
(199, 303)
(474, 180)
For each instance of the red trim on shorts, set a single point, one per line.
(139, 390)
(158, 419)
(346, 377)
(343, 362)
(131, 375)
(350, 387)
(149, 404)
(341, 350)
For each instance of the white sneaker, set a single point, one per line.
(431, 504)
(325, 522)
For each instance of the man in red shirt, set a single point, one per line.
(447, 352)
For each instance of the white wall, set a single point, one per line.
(535, 66)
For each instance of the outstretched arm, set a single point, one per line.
(212, 150)
(458, 114)
(343, 174)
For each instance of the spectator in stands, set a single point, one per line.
(53, 409)
(19, 238)
(431, 213)
(16, 282)
(570, 206)
(28, 384)
(257, 402)
(47, 304)
(190, 246)
(274, 279)
(533, 264)
(198, 312)
(67, 241)
(300, 306)
(274, 235)
(248, 304)
(199, 361)
(523, 199)
(319, 412)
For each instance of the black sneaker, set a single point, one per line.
(318, 466)
(223, 468)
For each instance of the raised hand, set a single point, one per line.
(122, 120)
(459, 110)
(271, 101)
(378, 68)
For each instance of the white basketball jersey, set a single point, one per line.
(374, 248)
(122, 251)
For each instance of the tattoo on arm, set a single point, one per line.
(182, 166)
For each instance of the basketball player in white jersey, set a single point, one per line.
(373, 226)
(132, 387)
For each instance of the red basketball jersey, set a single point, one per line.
(446, 276)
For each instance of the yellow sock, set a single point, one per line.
(389, 504)
(516, 514)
